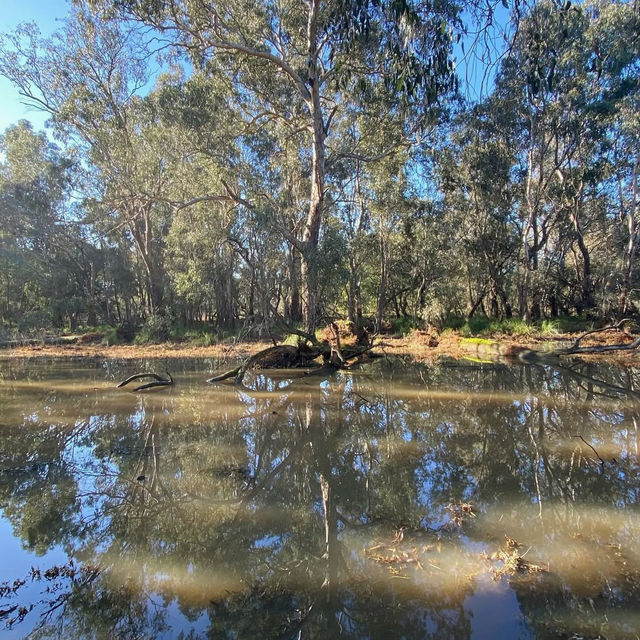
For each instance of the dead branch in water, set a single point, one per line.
(225, 376)
(159, 381)
(575, 348)
(280, 353)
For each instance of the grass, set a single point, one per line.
(477, 341)
(480, 325)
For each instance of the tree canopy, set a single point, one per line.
(254, 164)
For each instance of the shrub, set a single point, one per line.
(550, 327)
(155, 329)
(403, 325)
(110, 335)
(453, 321)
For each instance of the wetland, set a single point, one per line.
(453, 499)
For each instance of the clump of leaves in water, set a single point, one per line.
(458, 513)
(400, 557)
(512, 562)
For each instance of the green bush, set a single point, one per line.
(403, 325)
(111, 335)
(550, 327)
(481, 325)
(513, 327)
(155, 329)
(573, 324)
(453, 321)
(475, 325)
(202, 338)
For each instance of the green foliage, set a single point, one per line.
(567, 324)
(195, 337)
(453, 322)
(480, 325)
(156, 329)
(197, 203)
(475, 325)
(404, 325)
(111, 335)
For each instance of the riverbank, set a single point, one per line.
(419, 345)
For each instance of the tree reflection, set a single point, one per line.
(247, 512)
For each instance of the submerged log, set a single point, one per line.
(159, 381)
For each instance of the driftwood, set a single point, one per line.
(575, 348)
(159, 381)
(287, 356)
(280, 353)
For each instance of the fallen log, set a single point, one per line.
(575, 348)
(282, 352)
(288, 356)
(159, 381)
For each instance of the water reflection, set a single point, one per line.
(399, 501)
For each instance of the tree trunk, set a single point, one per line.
(311, 235)
(632, 243)
(382, 288)
(142, 231)
(294, 311)
(586, 301)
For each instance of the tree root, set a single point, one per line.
(159, 381)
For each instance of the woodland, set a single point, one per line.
(249, 164)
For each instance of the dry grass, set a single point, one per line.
(134, 352)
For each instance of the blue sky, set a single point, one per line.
(44, 13)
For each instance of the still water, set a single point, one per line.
(455, 500)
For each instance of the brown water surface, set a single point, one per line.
(456, 500)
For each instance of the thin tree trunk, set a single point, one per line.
(311, 235)
(294, 311)
(142, 231)
(632, 243)
(382, 289)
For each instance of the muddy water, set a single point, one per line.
(398, 501)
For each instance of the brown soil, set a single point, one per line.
(420, 345)
(131, 352)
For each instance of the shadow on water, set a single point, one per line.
(397, 501)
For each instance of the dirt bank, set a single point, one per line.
(420, 345)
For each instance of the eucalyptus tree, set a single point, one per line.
(49, 269)
(311, 63)
(527, 84)
(553, 88)
(479, 197)
(615, 47)
(87, 77)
